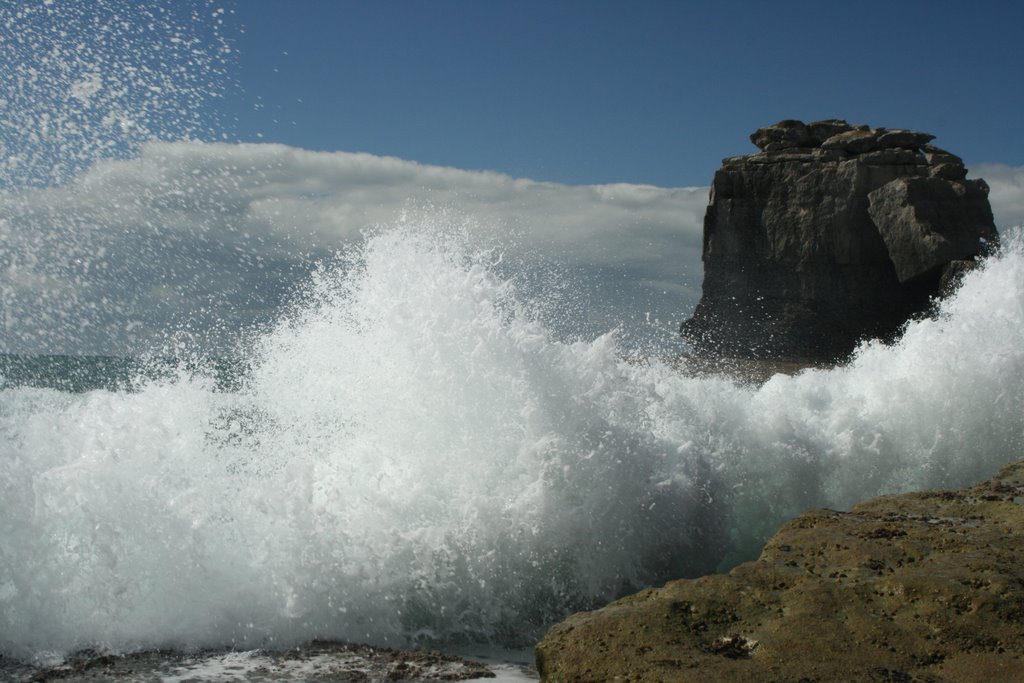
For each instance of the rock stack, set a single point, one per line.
(831, 234)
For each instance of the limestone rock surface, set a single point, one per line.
(921, 222)
(832, 233)
(915, 588)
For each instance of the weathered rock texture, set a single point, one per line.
(910, 588)
(831, 234)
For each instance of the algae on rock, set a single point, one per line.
(918, 587)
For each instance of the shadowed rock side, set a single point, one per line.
(911, 588)
(831, 234)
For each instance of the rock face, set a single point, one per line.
(910, 588)
(831, 234)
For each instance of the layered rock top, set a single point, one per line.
(830, 234)
(919, 587)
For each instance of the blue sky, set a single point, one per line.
(182, 165)
(644, 92)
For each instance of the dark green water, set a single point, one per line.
(79, 374)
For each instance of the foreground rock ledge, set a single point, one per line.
(317, 661)
(909, 588)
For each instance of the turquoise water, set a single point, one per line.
(80, 374)
(73, 374)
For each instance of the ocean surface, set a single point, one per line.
(410, 458)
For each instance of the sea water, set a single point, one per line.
(416, 453)
(411, 457)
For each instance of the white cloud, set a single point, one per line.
(190, 234)
(1006, 192)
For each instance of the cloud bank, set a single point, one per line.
(195, 241)
(1006, 192)
(199, 240)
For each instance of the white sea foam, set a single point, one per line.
(414, 458)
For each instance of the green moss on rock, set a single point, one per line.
(915, 587)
